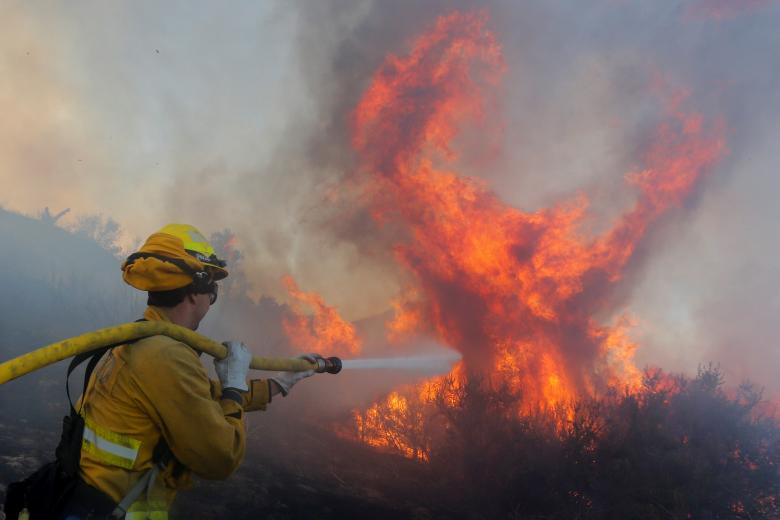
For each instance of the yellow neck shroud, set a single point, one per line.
(126, 333)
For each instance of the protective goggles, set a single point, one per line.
(213, 293)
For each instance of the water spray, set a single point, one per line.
(430, 363)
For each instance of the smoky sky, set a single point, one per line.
(235, 116)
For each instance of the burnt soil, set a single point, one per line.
(302, 470)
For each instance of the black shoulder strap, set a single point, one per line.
(94, 357)
(68, 452)
(162, 455)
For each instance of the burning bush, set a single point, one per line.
(676, 448)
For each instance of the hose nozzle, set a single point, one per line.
(331, 365)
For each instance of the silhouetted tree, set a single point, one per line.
(48, 218)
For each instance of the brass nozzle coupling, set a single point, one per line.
(331, 365)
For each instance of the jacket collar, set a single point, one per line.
(153, 313)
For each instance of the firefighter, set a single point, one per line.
(152, 416)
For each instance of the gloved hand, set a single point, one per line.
(286, 380)
(232, 370)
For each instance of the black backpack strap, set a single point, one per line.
(94, 357)
(71, 447)
(68, 452)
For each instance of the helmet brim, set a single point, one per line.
(217, 272)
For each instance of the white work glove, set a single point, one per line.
(232, 370)
(287, 380)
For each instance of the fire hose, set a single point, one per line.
(128, 332)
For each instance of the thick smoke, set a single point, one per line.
(56, 285)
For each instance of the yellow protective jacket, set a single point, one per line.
(157, 388)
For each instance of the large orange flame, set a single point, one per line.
(324, 332)
(515, 292)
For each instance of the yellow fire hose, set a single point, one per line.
(127, 332)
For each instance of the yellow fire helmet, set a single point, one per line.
(173, 257)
